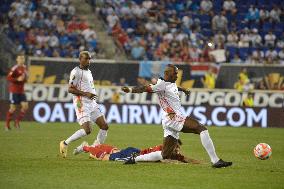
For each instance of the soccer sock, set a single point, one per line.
(20, 116)
(153, 156)
(101, 137)
(9, 116)
(78, 134)
(209, 146)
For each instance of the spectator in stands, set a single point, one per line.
(275, 14)
(236, 59)
(280, 41)
(270, 39)
(248, 100)
(206, 6)
(229, 6)
(257, 57)
(271, 56)
(243, 83)
(137, 51)
(209, 79)
(253, 15)
(281, 56)
(220, 23)
(232, 39)
(244, 38)
(261, 85)
(255, 38)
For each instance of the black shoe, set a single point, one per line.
(131, 160)
(221, 163)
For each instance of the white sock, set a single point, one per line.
(78, 134)
(153, 156)
(101, 137)
(209, 146)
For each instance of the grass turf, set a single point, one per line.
(29, 159)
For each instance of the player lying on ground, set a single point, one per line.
(174, 120)
(107, 152)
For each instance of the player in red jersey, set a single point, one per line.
(17, 77)
(107, 152)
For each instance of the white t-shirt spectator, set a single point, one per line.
(232, 39)
(206, 5)
(229, 5)
(271, 53)
(269, 39)
(112, 19)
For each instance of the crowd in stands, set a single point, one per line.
(250, 31)
(48, 28)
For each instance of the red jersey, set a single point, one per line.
(100, 150)
(151, 149)
(15, 72)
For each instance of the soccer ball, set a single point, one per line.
(262, 151)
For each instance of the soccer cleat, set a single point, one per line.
(131, 160)
(63, 149)
(221, 163)
(79, 148)
(7, 126)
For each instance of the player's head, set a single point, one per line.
(171, 72)
(84, 58)
(20, 59)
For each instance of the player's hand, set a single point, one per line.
(21, 78)
(187, 92)
(125, 89)
(91, 95)
(171, 115)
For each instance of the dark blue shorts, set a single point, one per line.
(124, 154)
(17, 98)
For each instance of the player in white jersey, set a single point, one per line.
(173, 120)
(87, 110)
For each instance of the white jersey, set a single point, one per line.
(170, 102)
(85, 108)
(168, 97)
(83, 81)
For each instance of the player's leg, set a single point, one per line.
(23, 110)
(86, 129)
(12, 108)
(169, 145)
(9, 116)
(193, 126)
(98, 117)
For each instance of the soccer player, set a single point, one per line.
(107, 152)
(174, 120)
(17, 77)
(81, 85)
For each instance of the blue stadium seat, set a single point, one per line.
(232, 51)
(244, 52)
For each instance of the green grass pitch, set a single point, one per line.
(29, 159)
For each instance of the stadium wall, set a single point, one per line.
(52, 103)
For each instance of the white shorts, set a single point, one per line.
(173, 126)
(88, 112)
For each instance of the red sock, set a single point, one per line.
(9, 116)
(20, 116)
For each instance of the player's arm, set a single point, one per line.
(137, 89)
(186, 91)
(11, 77)
(72, 89)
